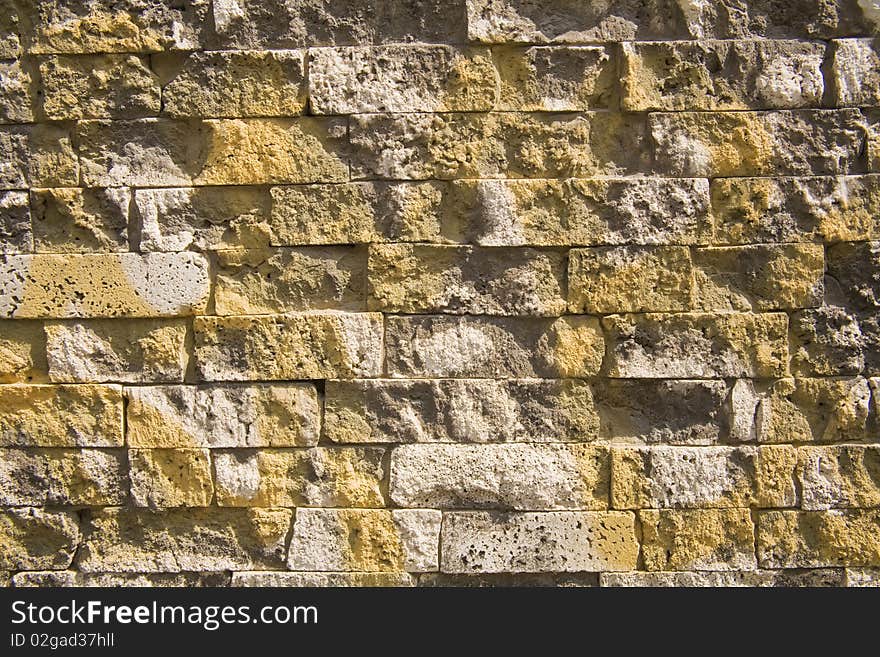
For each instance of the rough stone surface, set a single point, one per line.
(787, 142)
(661, 345)
(369, 540)
(722, 75)
(117, 285)
(72, 220)
(22, 352)
(123, 540)
(698, 539)
(36, 539)
(703, 477)
(252, 281)
(458, 280)
(486, 542)
(855, 72)
(818, 539)
(401, 79)
(16, 92)
(350, 477)
(183, 416)
(315, 579)
(16, 234)
(727, 579)
(238, 84)
(99, 350)
(521, 477)
(503, 144)
(459, 411)
(36, 155)
(61, 416)
(296, 346)
(439, 347)
(630, 279)
(825, 341)
(99, 87)
(75, 579)
(165, 478)
(834, 477)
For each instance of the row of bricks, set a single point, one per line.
(635, 77)
(120, 539)
(522, 476)
(393, 411)
(174, 153)
(571, 212)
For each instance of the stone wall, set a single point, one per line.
(470, 292)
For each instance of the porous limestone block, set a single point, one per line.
(661, 477)
(142, 153)
(258, 281)
(450, 347)
(98, 87)
(784, 142)
(825, 577)
(854, 275)
(284, 24)
(630, 279)
(357, 213)
(825, 341)
(819, 539)
(252, 415)
(163, 478)
(273, 151)
(415, 278)
(523, 477)
(759, 278)
(321, 476)
(401, 78)
(36, 156)
(22, 351)
(202, 218)
(36, 539)
(562, 541)
(238, 84)
(556, 79)
(814, 410)
(462, 410)
(41, 477)
(844, 476)
(316, 345)
(653, 411)
(132, 351)
(74, 579)
(368, 540)
(17, 92)
(126, 540)
(16, 234)
(855, 72)
(74, 220)
(258, 579)
(795, 209)
(103, 285)
(498, 144)
(500, 21)
(698, 539)
(721, 75)
(863, 577)
(99, 26)
(697, 345)
(61, 416)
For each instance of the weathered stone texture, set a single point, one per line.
(484, 542)
(818, 539)
(124, 540)
(185, 416)
(36, 155)
(61, 416)
(440, 347)
(165, 478)
(406, 278)
(698, 539)
(722, 75)
(464, 410)
(80, 220)
(349, 477)
(521, 477)
(36, 539)
(697, 345)
(16, 234)
(296, 346)
(369, 540)
(117, 285)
